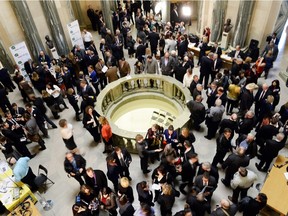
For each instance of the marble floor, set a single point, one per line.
(64, 190)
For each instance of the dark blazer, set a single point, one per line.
(188, 172)
(198, 183)
(217, 66)
(228, 123)
(234, 161)
(206, 65)
(182, 49)
(126, 155)
(218, 51)
(154, 38)
(241, 54)
(99, 183)
(80, 163)
(213, 172)
(272, 148)
(88, 92)
(19, 111)
(28, 68)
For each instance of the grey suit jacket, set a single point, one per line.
(168, 68)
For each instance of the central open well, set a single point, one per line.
(142, 113)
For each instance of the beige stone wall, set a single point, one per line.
(11, 32)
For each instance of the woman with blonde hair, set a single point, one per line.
(106, 133)
(166, 200)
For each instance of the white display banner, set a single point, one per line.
(75, 34)
(21, 54)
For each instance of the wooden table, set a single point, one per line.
(226, 60)
(276, 187)
(6, 196)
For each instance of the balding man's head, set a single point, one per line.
(225, 204)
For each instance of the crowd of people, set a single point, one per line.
(80, 76)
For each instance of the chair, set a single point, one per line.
(41, 179)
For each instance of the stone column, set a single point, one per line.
(5, 59)
(281, 19)
(199, 20)
(242, 24)
(166, 10)
(78, 13)
(107, 15)
(55, 26)
(219, 11)
(26, 21)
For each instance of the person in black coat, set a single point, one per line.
(232, 164)
(260, 97)
(194, 83)
(123, 159)
(206, 180)
(207, 167)
(188, 172)
(198, 112)
(145, 195)
(250, 206)
(174, 16)
(166, 199)
(217, 65)
(225, 208)
(153, 38)
(91, 123)
(113, 171)
(140, 51)
(125, 207)
(246, 125)
(73, 100)
(197, 206)
(223, 146)
(87, 94)
(270, 151)
(4, 101)
(124, 188)
(182, 48)
(75, 165)
(5, 79)
(217, 50)
(206, 69)
(230, 123)
(96, 179)
(246, 99)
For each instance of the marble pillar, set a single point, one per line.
(166, 10)
(5, 59)
(242, 23)
(107, 15)
(199, 20)
(70, 10)
(281, 19)
(26, 21)
(219, 11)
(78, 13)
(55, 26)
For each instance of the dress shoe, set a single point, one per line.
(129, 178)
(54, 126)
(207, 137)
(42, 148)
(32, 156)
(258, 167)
(104, 152)
(147, 171)
(230, 198)
(224, 182)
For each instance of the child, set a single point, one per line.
(73, 100)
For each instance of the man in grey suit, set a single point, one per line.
(273, 47)
(151, 66)
(166, 65)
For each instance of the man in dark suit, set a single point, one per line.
(271, 151)
(153, 38)
(273, 38)
(28, 66)
(75, 165)
(182, 47)
(233, 163)
(237, 53)
(230, 123)
(174, 16)
(217, 65)
(246, 99)
(208, 181)
(188, 172)
(96, 179)
(194, 83)
(87, 94)
(197, 110)
(123, 159)
(217, 50)
(206, 68)
(207, 167)
(211, 94)
(260, 97)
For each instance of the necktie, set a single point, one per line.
(262, 95)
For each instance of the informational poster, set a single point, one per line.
(75, 34)
(21, 54)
